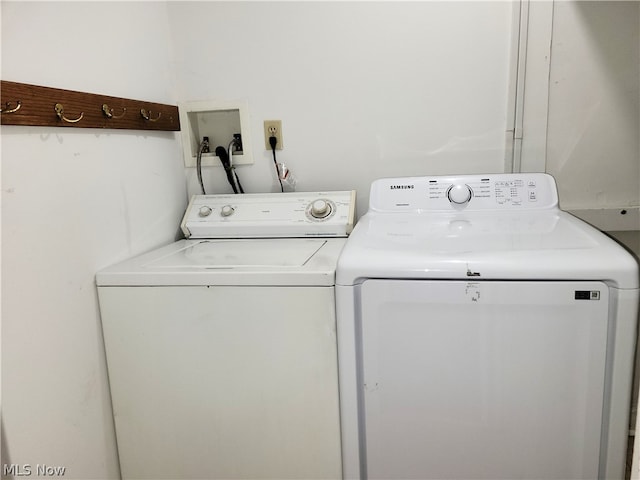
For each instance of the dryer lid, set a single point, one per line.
(542, 246)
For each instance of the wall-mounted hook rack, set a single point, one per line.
(25, 104)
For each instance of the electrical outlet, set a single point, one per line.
(273, 128)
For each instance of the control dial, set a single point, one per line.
(204, 211)
(320, 208)
(227, 210)
(459, 193)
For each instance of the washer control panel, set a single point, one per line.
(295, 214)
(526, 191)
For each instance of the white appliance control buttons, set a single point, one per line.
(501, 191)
(459, 193)
(204, 211)
(227, 210)
(320, 209)
(270, 215)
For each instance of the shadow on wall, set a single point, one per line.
(628, 239)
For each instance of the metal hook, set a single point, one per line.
(147, 115)
(11, 110)
(109, 112)
(60, 112)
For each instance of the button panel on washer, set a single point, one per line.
(293, 214)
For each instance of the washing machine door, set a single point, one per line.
(493, 380)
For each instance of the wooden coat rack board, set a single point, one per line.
(23, 104)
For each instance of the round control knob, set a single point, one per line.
(320, 208)
(459, 194)
(227, 210)
(204, 211)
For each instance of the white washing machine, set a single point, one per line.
(221, 348)
(483, 334)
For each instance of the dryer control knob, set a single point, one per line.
(320, 208)
(204, 211)
(227, 210)
(459, 193)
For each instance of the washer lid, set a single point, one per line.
(221, 254)
(284, 262)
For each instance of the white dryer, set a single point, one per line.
(221, 348)
(483, 334)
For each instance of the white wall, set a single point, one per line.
(582, 107)
(73, 201)
(593, 146)
(364, 89)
